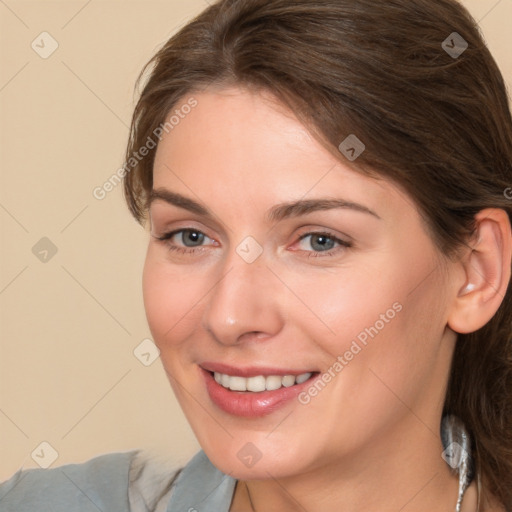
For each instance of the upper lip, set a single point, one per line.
(249, 371)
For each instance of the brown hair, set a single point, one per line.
(435, 123)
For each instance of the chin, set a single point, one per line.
(255, 457)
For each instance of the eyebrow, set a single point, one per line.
(275, 214)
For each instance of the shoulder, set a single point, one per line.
(100, 483)
(157, 484)
(134, 481)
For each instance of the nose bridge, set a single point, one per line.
(241, 301)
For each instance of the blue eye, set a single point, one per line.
(190, 238)
(322, 243)
(184, 240)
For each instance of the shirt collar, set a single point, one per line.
(201, 486)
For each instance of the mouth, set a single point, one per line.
(259, 383)
(253, 392)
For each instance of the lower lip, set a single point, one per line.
(249, 404)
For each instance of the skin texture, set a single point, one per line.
(370, 439)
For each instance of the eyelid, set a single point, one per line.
(169, 234)
(169, 215)
(169, 229)
(342, 243)
(166, 237)
(318, 230)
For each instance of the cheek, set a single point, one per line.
(375, 319)
(396, 337)
(348, 304)
(171, 301)
(388, 341)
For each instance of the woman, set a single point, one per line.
(327, 190)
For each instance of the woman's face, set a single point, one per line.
(285, 262)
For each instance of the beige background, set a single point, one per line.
(69, 326)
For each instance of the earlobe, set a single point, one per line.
(487, 270)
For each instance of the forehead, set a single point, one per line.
(235, 126)
(247, 146)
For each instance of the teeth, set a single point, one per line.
(273, 382)
(289, 380)
(237, 384)
(303, 378)
(255, 383)
(259, 383)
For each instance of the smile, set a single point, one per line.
(252, 392)
(259, 383)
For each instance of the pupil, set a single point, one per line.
(322, 243)
(193, 238)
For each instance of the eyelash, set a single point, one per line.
(182, 250)
(342, 244)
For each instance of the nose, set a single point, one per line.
(244, 302)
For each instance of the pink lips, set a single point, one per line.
(246, 403)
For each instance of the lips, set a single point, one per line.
(245, 391)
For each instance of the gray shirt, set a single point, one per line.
(119, 482)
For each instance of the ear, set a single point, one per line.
(486, 273)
